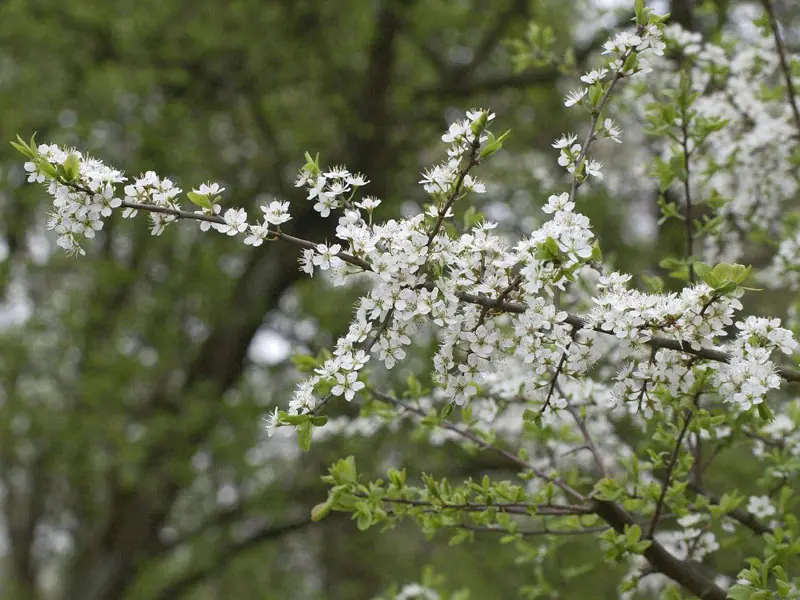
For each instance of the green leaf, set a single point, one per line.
(312, 164)
(631, 63)
(346, 469)
(44, 166)
(27, 148)
(638, 9)
(492, 145)
(632, 534)
(447, 409)
(304, 432)
(479, 124)
(764, 412)
(460, 536)
(607, 489)
(72, 167)
(295, 420)
(414, 386)
(597, 253)
(548, 250)
(320, 511)
(654, 285)
(398, 478)
(305, 363)
(595, 93)
(201, 200)
(24, 148)
(724, 277)
(733, 273)
(363, 521)
(702, 270)
(740, 592)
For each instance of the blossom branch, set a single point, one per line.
(481, 300)
(559, 368)
(655, 342)
(454, 193)
(590, 137)
(275, 233)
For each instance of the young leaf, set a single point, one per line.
(201, 200)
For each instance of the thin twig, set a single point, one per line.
(667, 479)
(559, 369)
(742, 516)
(473, 160)
(785, 68)
(591, 135)
(501, 298)
(535, 532)
(384, 326)
(517, 508)
(275, 233)
(581, 423)
(687, 196)
(562, 485)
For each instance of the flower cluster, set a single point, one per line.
(629, 52)
(748, 164)
(749, 373)
(465, 137)
(330, 189)
(78, 211)
(784, 269)
(149, 189)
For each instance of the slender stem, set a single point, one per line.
(687, 193)
(581, 423)
(590, 136)
(559, 368)
(785, 68)
(597, 111)
(697, 451)
(275, 233)
(670, 468)
(473, 160)
(501, 298)
(740, 515)
(518, 508)
(534, 532)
